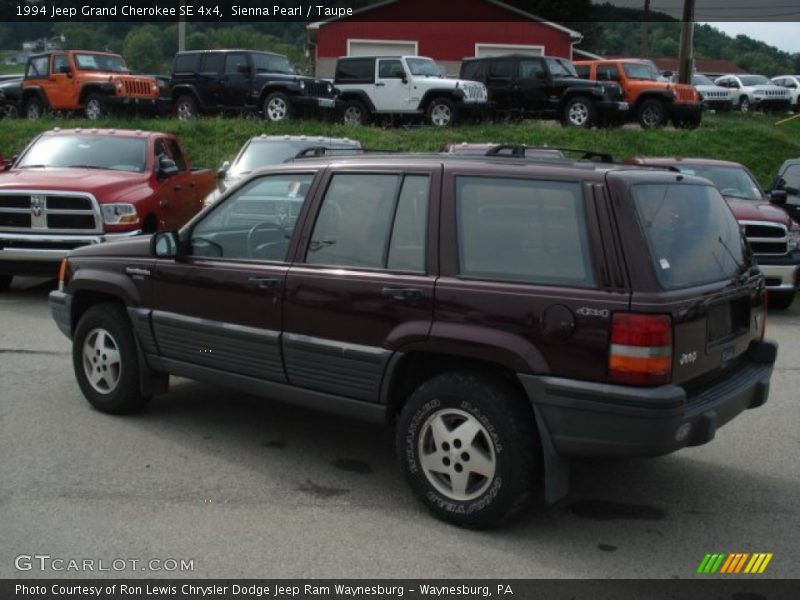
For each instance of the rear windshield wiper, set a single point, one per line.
(742, 267)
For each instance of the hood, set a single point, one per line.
(750, 210)
(104, 185)
(135, 247)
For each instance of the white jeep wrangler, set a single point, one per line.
(404, 85)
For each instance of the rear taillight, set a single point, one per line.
(641, 349)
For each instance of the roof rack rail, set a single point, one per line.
(317, 151)
(518, 150)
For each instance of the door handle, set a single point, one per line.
(177, 188)
(264, 283)
(396, 293)
(380, 84)
(193, 184)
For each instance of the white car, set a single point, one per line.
(791, 83)
(755, 91)
(714, 96)
(404, 85)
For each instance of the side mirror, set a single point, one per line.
(778, 197)
(792, 191)
(404, 79)
(223, 170)
(667, 73)
(165, 244)
(167, 168)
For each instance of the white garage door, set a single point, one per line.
(380, 48)
(501, 49)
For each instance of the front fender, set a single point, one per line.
(103, 281)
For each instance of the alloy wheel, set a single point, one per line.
(353, 116)
(93, 109)
(102, 364)
(441, 115)
(277, 110)
(578, 114)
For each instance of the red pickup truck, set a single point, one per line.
(75, 187)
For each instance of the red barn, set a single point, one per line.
(486, 28)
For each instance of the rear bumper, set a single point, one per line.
(596, 419)
(780, 278)
(39, 254)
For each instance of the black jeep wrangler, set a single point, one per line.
(245, 81)
(546, 87)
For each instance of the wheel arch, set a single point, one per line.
(433, 94)
(359, 95)
(89, 89)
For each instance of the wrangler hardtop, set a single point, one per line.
(503, 314)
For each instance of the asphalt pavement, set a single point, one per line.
(249, 488)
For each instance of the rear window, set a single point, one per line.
(187, 63)
(522, 230)
(691, 233)
(212, 62)
(356, 70)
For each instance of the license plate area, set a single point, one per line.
(727, 321)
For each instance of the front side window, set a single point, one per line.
(522, 230)
(372, 221)
(390, 69)
(792, 177)
(423, 67)
(60, 63)
(272, 63)
(256, 222)
(691, 233)
(643, 71)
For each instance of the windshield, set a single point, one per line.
(87, 151)
(272, 63)
(640, 71)
(734, 182)
(424, 67)
(701, 80)
(754, 80)
(560, 68)
(691, 233)
(101, 62)
(258, 155)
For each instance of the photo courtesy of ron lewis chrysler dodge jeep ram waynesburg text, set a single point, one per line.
(76, 187)
(503, 313)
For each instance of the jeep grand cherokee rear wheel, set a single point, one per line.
(469, 448)
(106, 361)
(578, 112)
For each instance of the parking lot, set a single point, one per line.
(250, 488)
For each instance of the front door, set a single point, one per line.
(533, 84)
(236, 81)
(219, 308)
(363, 285)
(60, 86)
(392, 88)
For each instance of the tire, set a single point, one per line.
(505, 447)
(185, 108)
(104, 345)
(10, 111)
(652, 114)
(579, 112)
(277, 107)
(5, 282)
(686, 123)
(355, 113)
(94, 108)
(441, 112)
(34, 108)
(744, 104)
(780, 301)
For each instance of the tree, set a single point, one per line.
(142, 49)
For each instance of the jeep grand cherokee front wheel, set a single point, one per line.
(469, 448)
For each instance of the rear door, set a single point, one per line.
(533, 84)
(688, 259)
(362, 286)
(207, 82)
(500, 79)
(220, 307)
(236, 80)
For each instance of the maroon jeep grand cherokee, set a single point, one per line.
(504, 314)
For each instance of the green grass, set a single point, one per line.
(753, 140)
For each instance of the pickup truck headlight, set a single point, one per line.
(119, 214)
(793, 239)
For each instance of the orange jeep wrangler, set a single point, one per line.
(80, 80)
(652, 101)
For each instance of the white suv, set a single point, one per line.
(791, 83)
(755, 91)
(404, 85)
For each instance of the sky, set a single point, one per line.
(785, 36)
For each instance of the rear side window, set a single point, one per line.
(522, 230)
(501, 69)
(474, 70)
(691, 233)
(360, 70)
(372, 221)
(212, 62)
(530, 69)
(186, 63)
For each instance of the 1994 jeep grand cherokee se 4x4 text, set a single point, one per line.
(503, 314)
(77, 187)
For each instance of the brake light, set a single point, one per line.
(641, 349)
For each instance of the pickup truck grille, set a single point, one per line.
(766, 239)
(318, 89)
(137, 87)
(24, 212)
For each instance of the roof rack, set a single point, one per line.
(518, 150)
(318, 151)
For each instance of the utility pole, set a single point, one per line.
(645, 28)
(181, 30)
(686, 51)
